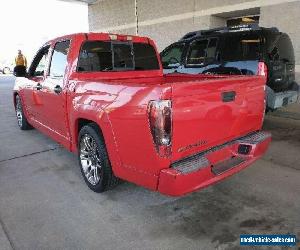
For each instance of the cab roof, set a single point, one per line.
(105, 36)
(224, 30)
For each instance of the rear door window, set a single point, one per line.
(197, 52)
(171, 56)
(116, 56)
(241, 47)
(202, 52)
(211, 48)
(59, 59)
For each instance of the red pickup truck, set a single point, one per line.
(104, 97)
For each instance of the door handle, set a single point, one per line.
(57, 89)
(228, 96)
(38, 86)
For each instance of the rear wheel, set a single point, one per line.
(93, 160)
(21, 118)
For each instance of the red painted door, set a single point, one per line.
(53, 95)
(32, 85)
(29, 97)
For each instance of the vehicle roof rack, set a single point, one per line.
(237, 28)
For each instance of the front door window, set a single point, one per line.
(39, 64)
(171, 57)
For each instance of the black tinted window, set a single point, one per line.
(95, 56)
(197, 52)
(59, 59)
(285, 49)
(145, 57)
(202, 51)
(211, 49)
(122, 56)
(98, 56)
(241, 47)
(172, 55)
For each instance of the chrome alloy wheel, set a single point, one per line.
(90, 159)
(19, 112)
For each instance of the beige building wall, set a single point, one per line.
(168, 20)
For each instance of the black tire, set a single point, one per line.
(107, 179)
(21, 118)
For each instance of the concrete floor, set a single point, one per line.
(45, 204)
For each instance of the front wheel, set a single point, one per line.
(21, 118)
(93, 160)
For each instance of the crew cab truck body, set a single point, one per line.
(104, 97)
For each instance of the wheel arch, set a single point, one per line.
(106, 133)
(80, 123)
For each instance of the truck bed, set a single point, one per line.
(207, 110)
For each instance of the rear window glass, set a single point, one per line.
(122, 56)
(145, 57)
(95, 56)
(116, 56)
(241, 47)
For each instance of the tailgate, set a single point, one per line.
(210, 112)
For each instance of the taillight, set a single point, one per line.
(262, 69)
(160, 120)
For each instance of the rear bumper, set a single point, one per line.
(278, 100)
(204, 169)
